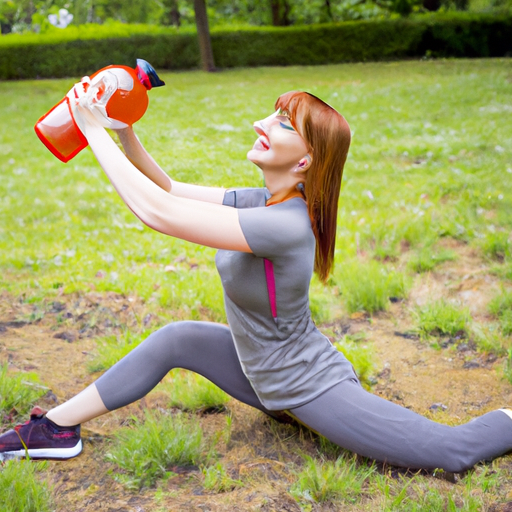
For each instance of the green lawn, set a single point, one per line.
(431, 161)
(431, 157)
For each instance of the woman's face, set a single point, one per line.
(279, 146)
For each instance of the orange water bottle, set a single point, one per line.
(116, 94)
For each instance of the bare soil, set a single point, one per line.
(452, 385)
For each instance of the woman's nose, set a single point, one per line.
(266, 123)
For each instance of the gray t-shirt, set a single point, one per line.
(284, 356)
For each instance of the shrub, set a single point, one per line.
(78, 52)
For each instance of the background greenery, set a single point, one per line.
(86, 48)
(430, 163)
(22, 15)
(430, 158)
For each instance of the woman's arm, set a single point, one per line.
(145, 163)
(194, 220)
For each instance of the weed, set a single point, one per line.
(216, 479)
(369, 286)
(192, 392)
(18, 391)
(20, 488)
(442, 318)
(146, 450)
(325, 481)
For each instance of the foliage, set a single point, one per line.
(58, 54)
(148, 449)
(18, 391)
(21, 489)
(442, 318)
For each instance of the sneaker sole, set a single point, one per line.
(44, 453)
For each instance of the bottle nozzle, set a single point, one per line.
(147, 75)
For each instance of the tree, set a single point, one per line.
(203, 34)
(280, 13)
(172, 14)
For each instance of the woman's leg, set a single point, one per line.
(373, 427)
(205, 348)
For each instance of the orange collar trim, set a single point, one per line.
(290, 195)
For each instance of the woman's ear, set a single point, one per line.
(303, 164)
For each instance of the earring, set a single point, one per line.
(305, 162)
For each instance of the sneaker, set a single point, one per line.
(40, 438)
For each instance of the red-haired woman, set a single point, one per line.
(272, 357)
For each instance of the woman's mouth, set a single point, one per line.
(262, 143)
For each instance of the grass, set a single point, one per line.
(430, 161)
(501, 307)
(18, 392)
(338, 481)
(112, 348)
(442, 318)
(21, 487)
(217, 479)
(147, 450)
(360, 355)
(369, 286)
(425, 259)
(497, 245)
(192, 392)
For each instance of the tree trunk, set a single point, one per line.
(276, 18)
(329, 10)
(280, 13)
(203, 33)
(175, 14)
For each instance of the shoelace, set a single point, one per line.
(35, 414)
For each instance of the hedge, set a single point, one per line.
(454, 35)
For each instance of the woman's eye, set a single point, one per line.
(282, 125)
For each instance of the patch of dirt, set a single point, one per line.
(451, 385)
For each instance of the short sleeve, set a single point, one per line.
(246, 197)
(278, 229)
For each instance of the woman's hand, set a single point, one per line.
(94, 98)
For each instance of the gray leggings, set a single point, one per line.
(346, 414)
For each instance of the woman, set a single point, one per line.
(271, 356)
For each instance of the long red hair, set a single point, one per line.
(327, 135)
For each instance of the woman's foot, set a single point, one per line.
(40, 438)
